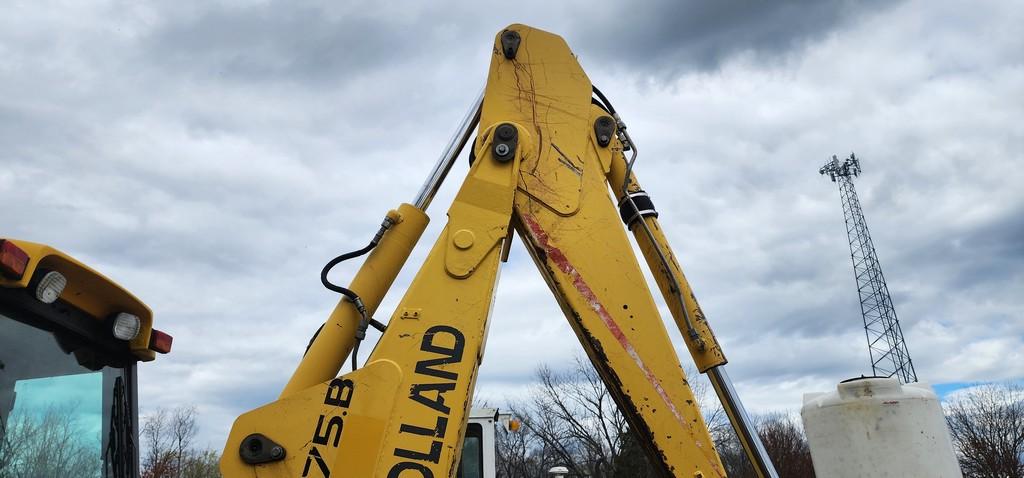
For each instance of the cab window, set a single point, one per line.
(57, 416)
(472, 465)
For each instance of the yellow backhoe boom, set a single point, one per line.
(549, 164)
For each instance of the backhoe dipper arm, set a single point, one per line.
(544, 159)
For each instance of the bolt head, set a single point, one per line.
(463, 239)
(502, 149)
(277, 452)
(506, 132)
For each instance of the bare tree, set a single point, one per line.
(183, 431)
(783, 439)
(159, 460)
(573, 417)
(987, 427)
(786, 444)
(202, 464)
(521, 454)
(170, 452)
(53, 443)
(571, 420)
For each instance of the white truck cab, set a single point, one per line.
(478, 447)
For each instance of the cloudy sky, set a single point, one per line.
(211, 158)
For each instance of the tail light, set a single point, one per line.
(160, 341)
(13, 260)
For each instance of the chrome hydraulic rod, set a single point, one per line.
(448, 156)
(741, 422)
(701, 342)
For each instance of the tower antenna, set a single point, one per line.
(889, 354)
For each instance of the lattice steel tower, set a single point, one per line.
(889, 355)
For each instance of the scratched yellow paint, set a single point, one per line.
(584, 254)
(434, 345)
(405, 411)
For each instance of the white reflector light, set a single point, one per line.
(50, 287)
(126, 326)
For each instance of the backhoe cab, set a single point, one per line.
(552, 162)
(70, 340)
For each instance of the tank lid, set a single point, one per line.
(868, 387)
(862, 377)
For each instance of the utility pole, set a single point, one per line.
(889, 355)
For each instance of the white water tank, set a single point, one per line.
(879, 428)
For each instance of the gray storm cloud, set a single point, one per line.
(211, 158)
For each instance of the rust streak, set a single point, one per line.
(560, 260)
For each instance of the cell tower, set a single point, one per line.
(889, 355)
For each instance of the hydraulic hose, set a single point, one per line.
(364, 319)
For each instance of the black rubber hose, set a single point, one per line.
(364, 320)
(355, 354)
(338, 260)
(604, 99)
